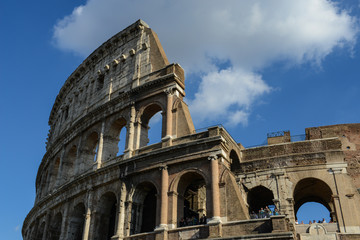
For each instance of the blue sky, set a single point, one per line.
(269, 66)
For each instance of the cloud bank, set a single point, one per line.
(248, 35)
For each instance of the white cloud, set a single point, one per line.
(249, 34)
(225, 90)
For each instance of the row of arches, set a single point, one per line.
(109, 215)
(307, 191)
(100, 143)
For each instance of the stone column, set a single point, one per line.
(130, 133)
(119, 232)
(215, 188)
(168, 129)
(164, 198)
(99, 156)
(88, 216)
(215, 226)
(64, 223)
(169, 102)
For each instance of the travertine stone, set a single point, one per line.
(89, 189)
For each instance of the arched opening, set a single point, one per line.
(55, 172)
(260, 200)
(40, 231)
(106, 217)
(44, 184)
(91, 149)
(55, 227)
(191, 199)
(116, 141)
(235, 162)
(76, 226)
(68, 163)
(310, 193)
(151, 119)
(313, 212)
(143, 212)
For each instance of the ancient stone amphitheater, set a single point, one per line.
(189, 185)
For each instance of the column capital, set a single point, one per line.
(169, 91)
(213, 157)
(163, 167)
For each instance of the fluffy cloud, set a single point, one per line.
(249, 35)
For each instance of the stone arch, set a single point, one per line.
(76, 222)
(105, 217)
(144, 208)
(55, 172)
(144, 116)
(67, 168)
(112, 139)
(193, 194)
(258, 198)
(234, 161)
(55, 227)
(313, 190)
(90, 150)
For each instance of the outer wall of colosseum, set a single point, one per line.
(90, 187)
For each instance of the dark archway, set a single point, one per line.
(68, 163)
(235, 161)
(143, 213)
(313, 190)
(77, 220)
(55, 227)
(259, 198)
(40, 231)
(106, 217)
(191, 199)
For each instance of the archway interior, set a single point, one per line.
(116, 138)
(106, 217)
(55, 227)
(235, 162)
(92, 145)
(192, 199)
(151, 119)
(143, 212)
(40, 231)
(76, 226)
(313, 211)
(259, 198)
(312, 190)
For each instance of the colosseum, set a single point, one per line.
(192, 184)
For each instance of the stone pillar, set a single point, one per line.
(137, 129)
(164, 198)
(130, 133)
(215, 226)
(99, 154)
(215, 188)
(88, 216)
(119, 231)
(64, 223)
(128, 217)
(169, 102)
(278, 223)
(168, 129)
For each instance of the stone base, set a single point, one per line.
(215, 230)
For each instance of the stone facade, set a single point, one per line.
(89, 189)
